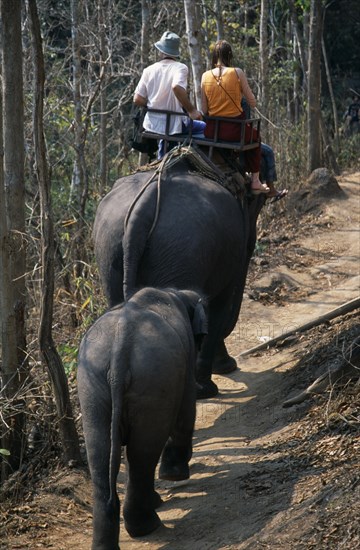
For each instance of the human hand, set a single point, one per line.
(195, 115)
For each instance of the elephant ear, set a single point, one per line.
(199, 321)
(196, 308)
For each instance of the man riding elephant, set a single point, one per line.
(163, 86)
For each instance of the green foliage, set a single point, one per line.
(349, 156)
(68, 354)
(58, 119)
(260, 248)
(304, 5)
(4, 452)
(293, 166)
(281, 76)
(87, 297)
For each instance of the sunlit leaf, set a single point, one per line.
(87, 301)
(4, 452)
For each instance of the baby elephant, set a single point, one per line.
(136, 382)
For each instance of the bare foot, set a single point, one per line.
(257, 187)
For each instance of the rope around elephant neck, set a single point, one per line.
(170, 159)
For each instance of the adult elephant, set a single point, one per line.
(179, 227)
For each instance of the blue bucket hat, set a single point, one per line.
(169, 44)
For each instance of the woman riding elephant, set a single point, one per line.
(222, 89)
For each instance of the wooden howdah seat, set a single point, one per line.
(205, 144)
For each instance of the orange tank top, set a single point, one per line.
(223, 93)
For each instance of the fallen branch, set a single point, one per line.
(349, 367)
(341, 310)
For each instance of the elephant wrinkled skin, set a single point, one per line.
(136, 383)
(203, 238)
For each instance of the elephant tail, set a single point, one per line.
(119, 367)
(140, 222)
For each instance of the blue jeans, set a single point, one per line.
(268, 168)
(197, 128)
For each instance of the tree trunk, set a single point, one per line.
(314, 82)
(299, 39)
(77, 183)
(296, 86)
(206, 34)
(103, 102)
(145, 24)
(300, 54)
(328, 150)
(68, 434)
(219, 19)
(246, 24)
(331, 91)
(193, 29)
(264, 56)
(145, 48)
(13, 326)
(8, 380)
(306, 34)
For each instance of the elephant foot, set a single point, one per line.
(140, 525)
(224, 364)
(174, 472)
(174, 465)
(205, 390)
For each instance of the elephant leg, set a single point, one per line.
(205, 387)
(141, 498)
(106, 519)
(221, 308)
(106, 513)
(174, 465)
(223, 362)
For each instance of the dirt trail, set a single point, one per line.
(324, 272)
(261, 476)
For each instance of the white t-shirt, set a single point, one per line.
(156, 85)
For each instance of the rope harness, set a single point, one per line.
(202, 166)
